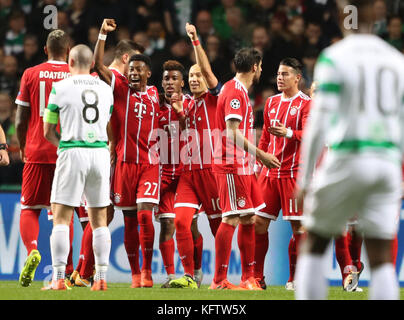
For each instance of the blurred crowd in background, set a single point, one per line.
(278, 28)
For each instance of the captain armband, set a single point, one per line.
(51, 116)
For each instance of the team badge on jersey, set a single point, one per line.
(293, 111)
(117, 198)
(235, 104)
(241, 202)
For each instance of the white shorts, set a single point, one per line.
(362, 186)
(82, 171)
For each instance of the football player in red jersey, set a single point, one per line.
(136, 180)
(38, 154)
(285, 115)
(82, 275)
(199, 124)
(172, 168)
(233, 166)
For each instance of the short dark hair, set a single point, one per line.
(57, 42)
(293, 63)
(174, 65)
(246, 58)
(142, 57)
(127, 46)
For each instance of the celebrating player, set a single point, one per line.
(285, 116)
(38, 154)
(359, 111)
(84, 105)
(199, 123)
(233, 166)
(136, 180)
(84, 271)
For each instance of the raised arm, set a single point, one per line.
(103, 71)
(201, 57)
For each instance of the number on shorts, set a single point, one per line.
(149, 187)
(90, 106)
(216, 204)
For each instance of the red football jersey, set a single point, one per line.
(293, 114)
(200, 124)
(35, 87)
(134, 122)
(234, 103)
(170, 144)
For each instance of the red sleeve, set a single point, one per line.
(23, 97)
(298, 134)
(235, 106)
(265, 135)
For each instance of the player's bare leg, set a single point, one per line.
(101, 246)
(261, 248)
(146, 236)
(167, 248)
(311, 283)
(383, 279)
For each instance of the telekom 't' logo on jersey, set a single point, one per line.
(140, 109)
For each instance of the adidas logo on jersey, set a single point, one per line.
(272, 111)
(163, 119)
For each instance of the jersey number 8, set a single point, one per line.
(88, 105)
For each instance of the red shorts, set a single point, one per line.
(135, 183)
(239, 194)
(167, 195)
(198, 188)
(36, 185)
(279, 193)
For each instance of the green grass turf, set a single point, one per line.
(10, 290)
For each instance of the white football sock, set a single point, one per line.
(60, 247)
(310, 281)
(384, 283)
(102, 248)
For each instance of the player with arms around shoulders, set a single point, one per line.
(38, 154)
(136, 180)
(83, 105)
(359, 112)
(233, 166)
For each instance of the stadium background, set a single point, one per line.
(278, 28)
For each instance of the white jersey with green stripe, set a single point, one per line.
(359, 102)
(83, 105)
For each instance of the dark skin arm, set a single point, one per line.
(21, 126)
(51, 134)
(103, 71)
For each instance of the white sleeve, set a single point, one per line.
(325, 106)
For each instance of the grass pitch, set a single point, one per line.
(11, 290)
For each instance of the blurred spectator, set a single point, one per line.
(162, 10)
(293, 8)
(314, 35)
(220, 19)
(31, 55)
(6, 108)
(64, 22)
(394, 34)
(6, 6)
(309, 60)
(215, 52)
(2, 55)
(204, 25)
(80, 18)
(296, 36)
(395, 7)
(122, 33)
(9, 77)
(14, 41)
(93, 36)
(240, 32)
(263, 11)
(183, 14)
(380, 12)
(278, 26)
(141, 38)
(156, 34)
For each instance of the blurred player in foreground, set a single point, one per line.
(84, 105)
(359, 111)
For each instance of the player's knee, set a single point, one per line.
(261, 224)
